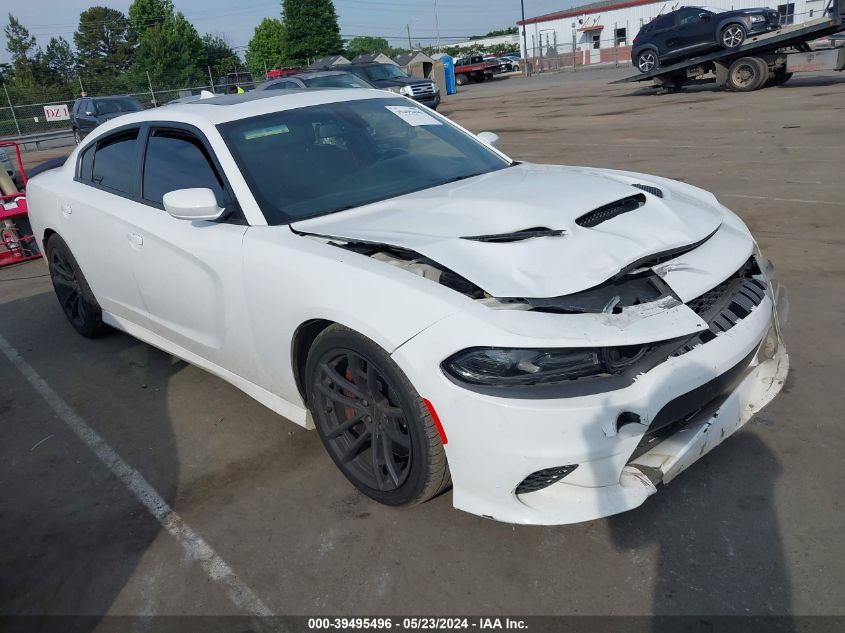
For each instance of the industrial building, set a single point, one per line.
(602, 32)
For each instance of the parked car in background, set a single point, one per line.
(318, 79)
(692, 31)
(89, 112)
(365, 267)
(391, 77)
(287, 71)
(507, 65)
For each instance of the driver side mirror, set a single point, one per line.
(491, 138)
(704, 17)
(89, 113)
(192, 204)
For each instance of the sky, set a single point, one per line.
(236, 20)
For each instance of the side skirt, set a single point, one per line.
(293, 412)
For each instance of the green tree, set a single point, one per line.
(366, 45)
(268, 47)
(59, 60)
(169, 47)
(219, 55)
(103, 43)
(311, 29)
(148, 14)
(21, 47)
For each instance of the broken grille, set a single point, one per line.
(727, 304)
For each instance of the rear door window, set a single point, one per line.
(177, 159)
(115, 162)
(664, 22)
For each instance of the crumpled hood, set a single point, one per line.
(434, 223)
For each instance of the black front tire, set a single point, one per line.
(72, 290)
(461, 80)
(372, 422)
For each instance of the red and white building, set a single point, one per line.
(602, 32)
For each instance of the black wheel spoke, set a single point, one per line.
(338, 397)
(354, 449)
(395, 434)
(375, 450)
(389, 460)
(346, 425)
(342, 382)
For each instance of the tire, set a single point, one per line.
(747, 74)
(732, 36)
(462, 80)
(647, 60)
(72, 290)
(356, 393)
(515, 68)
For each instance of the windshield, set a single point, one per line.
(346, 80)
(110, 106)
(385, 71)
(321, 159)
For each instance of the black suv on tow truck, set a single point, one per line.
(692, 31)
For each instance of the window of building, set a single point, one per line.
(621, 37)
(787, 13)
(596, 40)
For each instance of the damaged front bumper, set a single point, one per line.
(496, 443)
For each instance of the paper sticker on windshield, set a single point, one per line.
(413, 116)
(266, 131)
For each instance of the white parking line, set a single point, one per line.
(194, 545)
(796, 200)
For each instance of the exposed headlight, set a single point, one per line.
(436, 88)
(503, 367)
(405, 90)
(757, 18)
(395, 89)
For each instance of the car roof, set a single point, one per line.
(224, 108)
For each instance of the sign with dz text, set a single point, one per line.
(56, 112)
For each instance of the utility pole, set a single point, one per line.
(525, 65)
(437, 26)
(408, 27)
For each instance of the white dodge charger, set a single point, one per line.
(552, 342)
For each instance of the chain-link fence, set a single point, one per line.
(30, 112)
(584, 53)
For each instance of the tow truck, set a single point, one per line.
(769, 59)
(473, 68)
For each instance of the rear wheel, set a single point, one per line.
(732, 36)
(373, 423)
(747, 74)
(647, 61)
(462, 80)
(72, 291)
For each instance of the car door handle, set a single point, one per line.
(135, 239)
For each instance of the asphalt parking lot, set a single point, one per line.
(754, 528)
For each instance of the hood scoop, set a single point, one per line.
(609, 211)
(655, 191)
(517, 236)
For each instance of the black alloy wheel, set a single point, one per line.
(74, 295)
(372, 422)
(647, 61)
